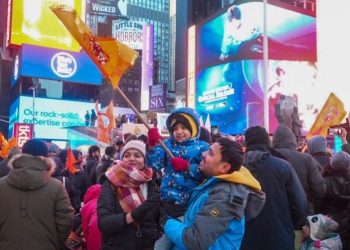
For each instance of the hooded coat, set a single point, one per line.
(89, 218)
(317, 147)
(217, 212)
(336, 202)
(177, 186)
(37, 213)
(306, 167)
(285, 207)
(71, 191)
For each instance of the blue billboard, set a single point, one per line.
(41, 62)
(225, 93)
(51, 116)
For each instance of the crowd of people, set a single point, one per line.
(192, 191)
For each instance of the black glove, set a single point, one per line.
(163, 217)
(174, 210)
(151, 202)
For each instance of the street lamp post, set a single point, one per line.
(33, 88)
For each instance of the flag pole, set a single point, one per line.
(142, 119)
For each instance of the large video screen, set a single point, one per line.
(231, 94)
(32, 22)
(61, 65)
(51, 116)
(237, 34)
(223, 94)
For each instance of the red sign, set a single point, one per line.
(23, 132)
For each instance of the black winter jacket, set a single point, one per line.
(285, 207)
(305, 166)
(71, 191)
(116, 234)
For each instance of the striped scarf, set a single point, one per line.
(127, 181)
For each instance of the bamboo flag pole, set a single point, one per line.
(142, 119)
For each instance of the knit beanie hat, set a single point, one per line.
(321, 226)
(340, 162)
(54, 148)
(256, 135)
(35, 147)
(317, 144)
(134, 144)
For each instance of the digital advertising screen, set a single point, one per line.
(51, 116)
(232, 93)
(61, 65)
(224, 93)
(237, 34)
(230, 70)
(32, 22)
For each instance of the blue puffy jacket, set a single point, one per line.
(216, 213)
(177, 186)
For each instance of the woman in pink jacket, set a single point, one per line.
(89, 218)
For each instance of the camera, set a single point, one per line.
(334, 131)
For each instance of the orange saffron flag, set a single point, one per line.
(110, 115)
(103, 130)
(71, 161)
(112, 57)
(6, 146)
(332, 113)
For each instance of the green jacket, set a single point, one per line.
(35, 211)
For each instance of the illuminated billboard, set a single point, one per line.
(61, 65)
(107, 7)
(237, 34)
(128, 32)
(147, 64)
(32, 22)
(232, 93)
(229, 67)
(51, 116)
(223, 94)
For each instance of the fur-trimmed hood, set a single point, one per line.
(30, 172)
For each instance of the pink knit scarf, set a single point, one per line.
(127, 181)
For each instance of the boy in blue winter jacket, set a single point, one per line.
(180, 175)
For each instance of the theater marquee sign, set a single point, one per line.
(129, 33)
(107, 7)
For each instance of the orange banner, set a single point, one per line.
(111, 57)
(103, 130)
(332, 113)
(6, 146)
(71, 161)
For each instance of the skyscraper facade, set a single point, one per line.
(156, 12)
